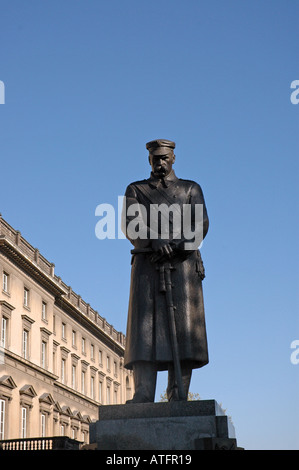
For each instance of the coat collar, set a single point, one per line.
(164, 182)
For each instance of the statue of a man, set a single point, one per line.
(149, 337)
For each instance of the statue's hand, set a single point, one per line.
(162, 250)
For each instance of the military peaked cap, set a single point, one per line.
(160, 146)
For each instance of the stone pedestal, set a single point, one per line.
(191, 425)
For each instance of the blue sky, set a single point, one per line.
(87, 84)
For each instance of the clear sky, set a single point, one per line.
(87, 84)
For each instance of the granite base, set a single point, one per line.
(191, 425)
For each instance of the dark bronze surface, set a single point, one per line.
(165, 328)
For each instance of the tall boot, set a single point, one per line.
(145, 378)
(172, 390)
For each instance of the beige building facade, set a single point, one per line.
(59, 359)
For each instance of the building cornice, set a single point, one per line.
(66, 305)
(29, 259)
(28, 364)
(30, 267)
(65, 388)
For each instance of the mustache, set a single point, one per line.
(160, 169)
(160, 173)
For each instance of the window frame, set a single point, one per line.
(25, 343)
(4, 329)
(5, 282)
(26, 297)
(24, 422)
(2, 418)
(44, 311)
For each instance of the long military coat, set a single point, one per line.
(148, 334)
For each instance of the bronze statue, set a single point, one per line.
(166, 319)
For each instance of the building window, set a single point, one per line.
(83, 345)
(100, 357)
(83, 382)
(54, 361)
(2, 419)
(92, 387)
(115, 396)
(100, 391)
(63, 328)
(24, 422)
(43, 425)
(63, 371)
(108, 395)
(128, 389)
(26, 337)
(5, 284)
(108, 363)
(44, 311)
(26, 297)
(25, 345)
(74, 386)
(62, 430)
(44, 347)
(3, 331)
(115, 368)
(44, 354)
(92, 351)
(54, 324)
(74, 338)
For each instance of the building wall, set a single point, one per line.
(59, 360)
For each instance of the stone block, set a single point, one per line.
(161, 426)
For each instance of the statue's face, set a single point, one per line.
(162, 164)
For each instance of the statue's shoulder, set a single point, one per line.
(188, 182)
(131, 188)
(191, 186)
(138, 183)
